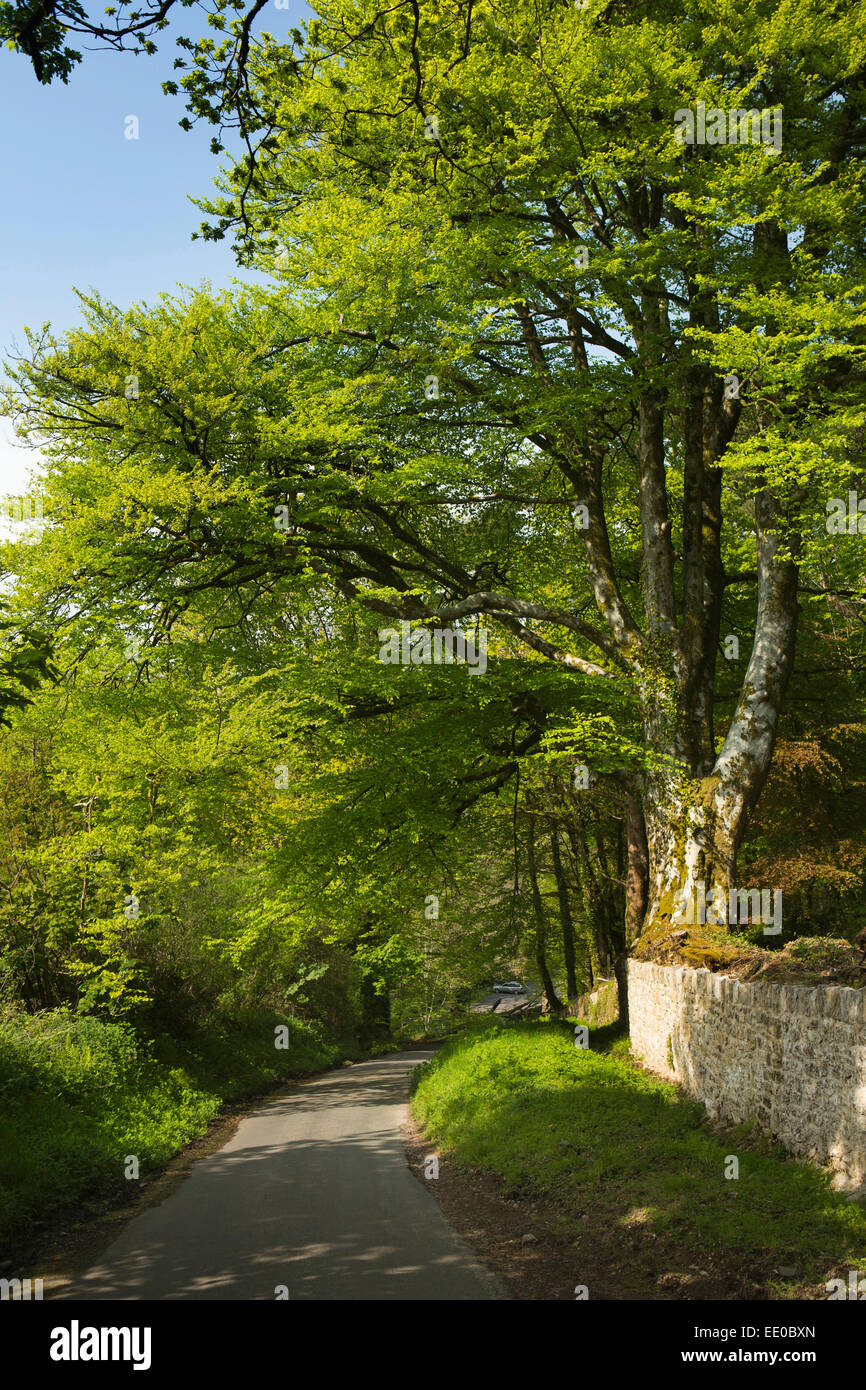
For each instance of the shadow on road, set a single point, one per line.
(311, 1198)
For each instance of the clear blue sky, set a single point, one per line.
(86, 207)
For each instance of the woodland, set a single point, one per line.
(517, 364)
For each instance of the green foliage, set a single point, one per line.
(77, 1095)
(36, 30)
(26, 664)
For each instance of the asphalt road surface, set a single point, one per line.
(508, 1003)
(314, 1193)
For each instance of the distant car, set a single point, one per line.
(510, 987)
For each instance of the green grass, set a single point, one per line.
(77, 1095)
(505, 1098)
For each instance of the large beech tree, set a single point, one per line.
(529, 361)
(432, 176)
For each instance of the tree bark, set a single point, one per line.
(565, 917)
(695, 824)
(555, 1003)
(636, 895)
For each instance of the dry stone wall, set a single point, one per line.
(790, 1057)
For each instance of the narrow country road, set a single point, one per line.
(313, 1192)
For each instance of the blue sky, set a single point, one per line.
(86, 207)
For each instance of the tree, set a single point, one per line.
(25, 666)
(509, 204)
(39, 29)
(507, 290)
(565, 915)
(540, 933)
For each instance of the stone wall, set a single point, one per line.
(790, 1057)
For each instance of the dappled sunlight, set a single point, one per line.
(313, 1193)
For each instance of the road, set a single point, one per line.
(503, 1004)
(313, 1192)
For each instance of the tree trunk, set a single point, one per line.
(555, 1003)
(592, 897)
(637, 872)
(636, 895)
(375, 1024)
(695, 824)
(565, 917)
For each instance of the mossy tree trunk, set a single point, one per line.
(696, 815)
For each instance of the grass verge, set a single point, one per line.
(591, 1131)
(79, 1097)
